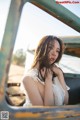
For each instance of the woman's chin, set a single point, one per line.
(52, 63)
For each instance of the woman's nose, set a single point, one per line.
(53, 53)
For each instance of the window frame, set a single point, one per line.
(7, 47)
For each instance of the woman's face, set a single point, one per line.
(54, 51)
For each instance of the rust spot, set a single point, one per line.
(2, 88)
(2, 49)
(1, 93)
(26, 115)
(69, 116)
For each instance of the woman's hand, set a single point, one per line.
(46, 73)
(48, 90)
(56, 70)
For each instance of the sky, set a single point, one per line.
(35, 23)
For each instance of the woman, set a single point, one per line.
(44, 82)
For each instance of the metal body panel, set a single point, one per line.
(59, 12)
(54, 113)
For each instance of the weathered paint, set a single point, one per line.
(60, 12)
(54, 113)
(71, 39)
(9, 40)
(40, 112)
(51, 115)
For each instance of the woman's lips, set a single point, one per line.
(52, 59)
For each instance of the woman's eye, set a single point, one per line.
(50, 47)
(58, 51)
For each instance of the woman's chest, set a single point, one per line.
(41, 88)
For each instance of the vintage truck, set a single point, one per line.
(67, 112)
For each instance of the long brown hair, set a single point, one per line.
(41, 53)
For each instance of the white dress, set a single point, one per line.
(58, 91)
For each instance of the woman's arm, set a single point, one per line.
(32, 91)
(60, 76)
(48, 90)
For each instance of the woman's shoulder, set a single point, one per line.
(32, 71)
(56, 65)
(59, 68)
(31, 74)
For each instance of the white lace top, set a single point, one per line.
(58, 91)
